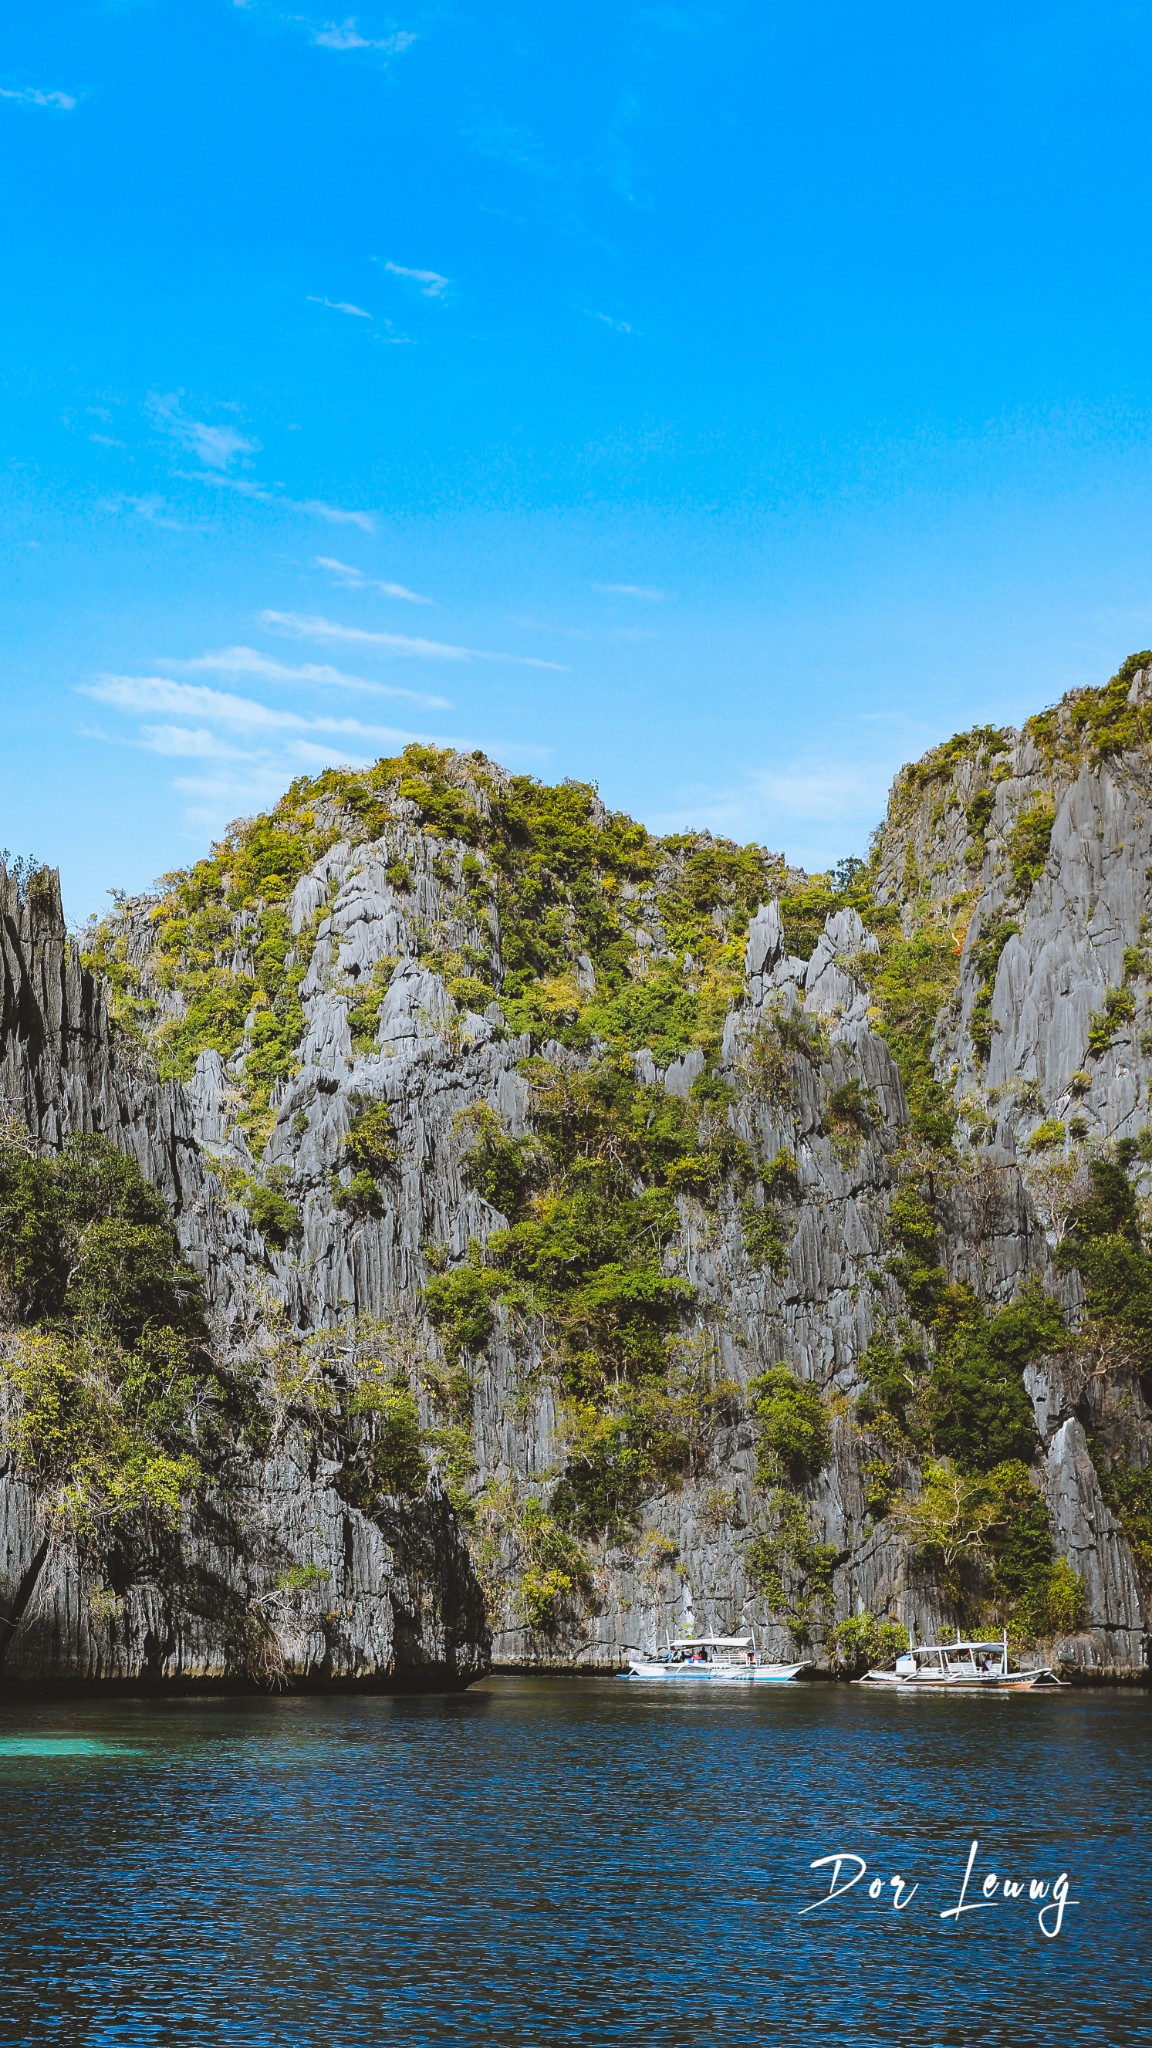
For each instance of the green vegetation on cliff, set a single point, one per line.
(591, 1202)
(572, 925)
(101, 1353)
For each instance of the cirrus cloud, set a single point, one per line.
(311, 627)
(31, 96)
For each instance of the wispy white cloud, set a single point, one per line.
(217, 446)
(354, 579)
(310, 627)
(144, 694)
(247, 661)
(106, 440)
(618, 326)
(189, 700)
(241, 753)
(185, 743)
(31, 96)
(152, 508)
(316, 508)
(212, 801)
(432, 285)
(344, 35)
(815, 808)
(510, 145)
(339, 306)
(645, 591)
(336, 515)
(624, 633)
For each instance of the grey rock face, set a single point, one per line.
(392, 1599)
(688, 1558)
(272, 1579)
(432, 1061)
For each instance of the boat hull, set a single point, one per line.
(1016, 1681)
(713, 1674)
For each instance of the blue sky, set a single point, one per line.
(721, 402)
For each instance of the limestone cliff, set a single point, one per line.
(419, 1024)
(269, 1574)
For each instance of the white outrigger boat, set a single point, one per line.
(960, 1667)
(719, 1659)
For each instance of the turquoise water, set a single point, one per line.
(572, 1861)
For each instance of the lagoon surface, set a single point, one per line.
(552, 1861)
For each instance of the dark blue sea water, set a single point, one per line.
(554, 1861)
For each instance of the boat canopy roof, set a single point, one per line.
(950, 1649)
(712, 1643)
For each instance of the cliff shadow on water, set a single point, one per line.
(450, 1223)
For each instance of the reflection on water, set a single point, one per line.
(556, 1861)
(60, 1745)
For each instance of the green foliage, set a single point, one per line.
(275, 1216)
(103, 1372)
(84, 1238)
(1097, 722)
(792, 1426)
(863, 1642)
(879, 1487)
(766, 1067)
(988, 1536)
(1050, 1132)
(978, 815)
(804, 911)
(851, 1114)
(634, 1440)
(1105, 1025)
(364, 1013)
(499, 1167)
(555, 1569)
(370, 1144)
(388, 1458)
(103, 1429)
(459, 1306)
(916, 1264)
(305, 1578)
(554, 870)
(894, 1373)
(948, 1523)
(213, 1022)
(1104, 1243)
(247, 880)
(986, 960)
(1058, 1607)
(1029, 840)
(980, 1413)
(787, 1566)
(368, 1154)
(358, 1197)
(940, 764)
(799, 1031)
(593, 1206)
(765, 1243)
(915, 978)
(955, 1387)
(780, 1176)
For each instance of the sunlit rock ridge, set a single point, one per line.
(746, 1245)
